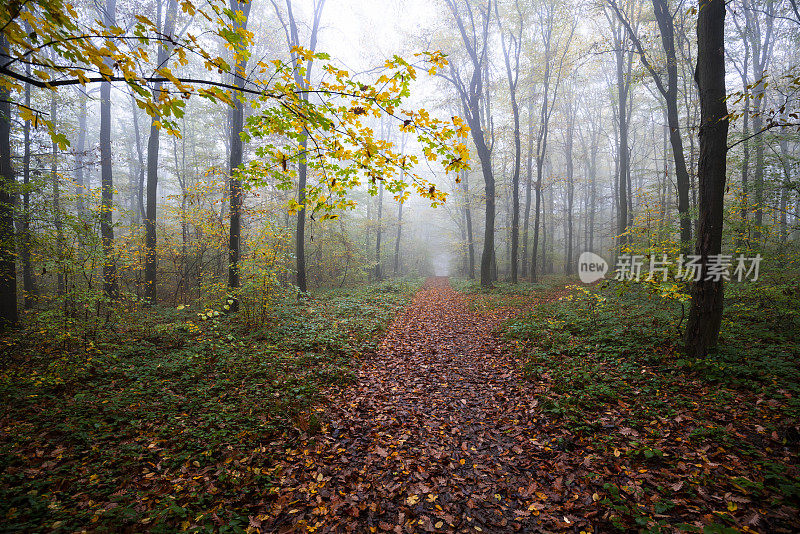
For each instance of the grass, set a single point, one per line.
(506, 295)
(172, 418)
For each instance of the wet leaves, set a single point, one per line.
(439, 433)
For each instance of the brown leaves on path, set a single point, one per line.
(438, 434)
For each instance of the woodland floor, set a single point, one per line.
(442, 432)
(581, 424)
(437, 433)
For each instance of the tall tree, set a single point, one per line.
(512, 51)
(140, 166)
(760, 33)
(8, 266)
(623, 63)
(569, 133)
(110, 284)
(302, 82)
(80, 155)
(399, 210)
(379, 234)
(474, 32)
(705, 314)
(58, 221)
(236, 120)
(745, 166)
(528, 185)
(552, 78)
(468, 223)
(28, 280)
(167, 28)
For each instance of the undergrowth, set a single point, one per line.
(168, 418)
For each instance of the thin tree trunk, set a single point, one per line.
(473, 94)
(140, 211)
(153, 147)
(513, 77)
(762, 52)
(528, 184)
(237, 126)
(785, 186)
(110, 284)
(80, 150)
(468, 219)
(28, 280)
(397, 239)
(570, 130)
(378, 273)
(57, 220)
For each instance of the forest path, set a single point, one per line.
(437, 434)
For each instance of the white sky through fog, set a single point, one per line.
(358, 30)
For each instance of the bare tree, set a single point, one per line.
(623, 81)
(512, 50)
(569, 135)
(474, 31)
(528, 184)
(553, 75)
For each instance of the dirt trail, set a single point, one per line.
(437, 434)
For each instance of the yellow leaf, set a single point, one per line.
(412, 500)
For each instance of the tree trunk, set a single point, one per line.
(80, 150)
(623, 87)
(762, 52)
(785, 186)
(528, 184)
(705, 315)
(58, 222)
(140, 211)
(378, 273)
(28, 280)
(153, 146)
(568, 263)
(468, 219)
(293, 40)
(237, 126)
(110, 284)
(397, 239)
(8, 267)
(513, 77)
